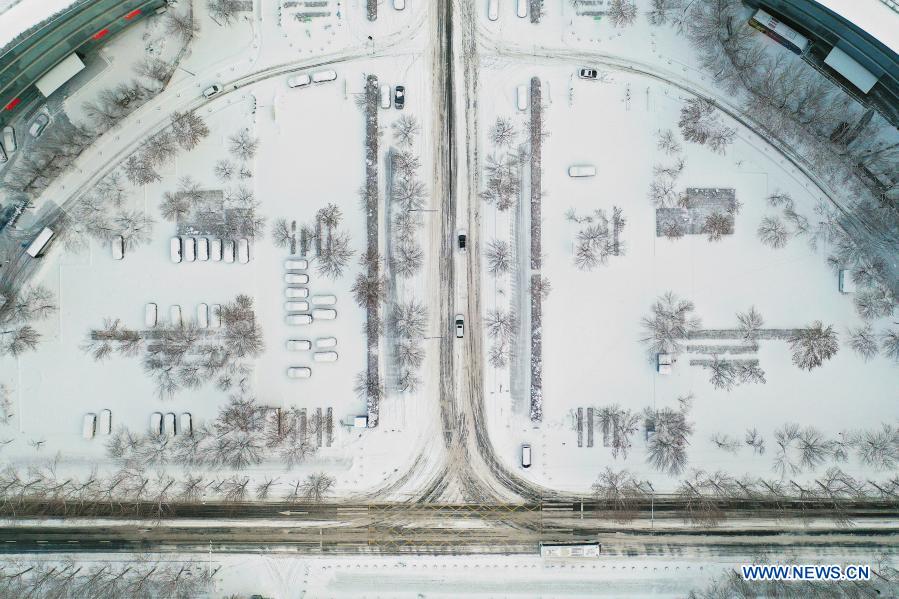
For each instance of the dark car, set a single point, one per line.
(399, 97)
(463, 238)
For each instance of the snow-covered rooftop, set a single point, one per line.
(874, 16)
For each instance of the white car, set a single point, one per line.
(399, 5)
(296, 264)
(215, 250)
(582, 170)
(212, 90)
(175, 249)
(150, 315)
(105, 425)
(190, 249)
(118, 247)
(324, 314)
(89, 426)
(385, 96)
(525, 456)
(299, 80)
(298, 345)
(9, 139)
(298, 319)
(325, 356)
(216, 320)
(243, 250)
(156, 423)
(296, 292)
(296, 306)
(299, 372)
(175, 315)
(39, 124)
(521, 97)
(460, 326)
(324, 300)
(296, 279)
(186, 424)
(323, 76)
(202, 249)
(203, 316)
(228, 251)
(169, 424)
(325, 342)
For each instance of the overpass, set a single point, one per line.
(80, 29)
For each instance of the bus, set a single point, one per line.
(588, 549)
(779, 32)
(40, 242)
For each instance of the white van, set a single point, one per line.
(243, 250)
(295, 279)
(156, 423)
(150, 315)
(175, 315)
(522, 9)
(186, 424)
(323, 76)
(385, 96)
(324, 314)
(175, 249)
(298, 345)
(216, 320)
(399, 4)
(582, 170)
(525, 456)
(521, 97)
(324, 300)
(40, 242)
(228, 251)
(323, 342)
(215, 250)
(493, 9)
(89, 426)
(118, 247)
(190, 249)
(296, 306)
(299, 80)
(105, 422)
(325, 356)
(298, 319)
(847, 285)
(202, 249)
(169, 424)
(9, 139)
(299, 372)
(296, 292)
(296, 264)
(203, 316)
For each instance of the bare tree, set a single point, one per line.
(409, 354)
(368, 387)
(501, 324)
(282, 233)
(863, 341)
(890, 344)
(750, 323)
(407, 259)
(182, 25)
(409, 319)
(17, 311)
(755, 440)
(619, 493)
(370, 288)
(722, 374)
(874, 303)
(750, 372)
(335, 255)
(139, 170)
(699, 123)
(662, 11)
(503, 132)
(670, 323)
(620, 425)
(667, 142)
(540, 286)
(717, 225)
(243, 145)
(499, 257)
(224, 12)
(405, 130)
(189, 129)
(224, 170)
(813, 345)
(779, 199)
(773, 233)
(317, 486)
(878, 448)
(667, 447)
(726, 443)
(622, 13)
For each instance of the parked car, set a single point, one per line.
(385, 96)
(216, 316)
(299, 80)
(202, 249)
(9, 139)
(228, 251)
(325, 342)
(203, 316)
(243, 250)
(324, 300)
(89, 426)
(150, 315)
(298, 319)
(215, 250)
(169, 424)
(399, 97)
(296, 306)
(189, 245)
(324, 314)
(186, 424)
(522, 8)
(3, 156)
(325, 356)
(525, 456)
(299, 345)
(296, 292)
(118, 247)
(156, 423)
(105, 426)
(460, 326)
(399, 4)
(296, 279)
(323, 76)
(299, 372)
(175, 315)
(847, 283)
(39, 124)
(587, 73)
(521, 97)
(582, 170)
(493, 9)
(212, 90)
(175, 249)
(463, 239)
(296, 264)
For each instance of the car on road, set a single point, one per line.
(39, 124)
(460, 326)
(399, 96)
(399, 4)
(299, 80)
(587, 73)
(212, 90)
(525, 456)
(463, 239)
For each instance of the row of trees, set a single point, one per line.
(19, 311)
(185, 132)
(332, 244)
(502, 328)
(868, 344)
(185, 356)
(102, 214)
(408, 322)
(503, 166)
